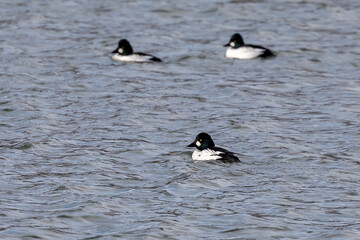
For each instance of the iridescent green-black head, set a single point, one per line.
(202, 141)
(124, 48)
(236, 41)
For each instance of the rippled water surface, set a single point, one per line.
(96, 149)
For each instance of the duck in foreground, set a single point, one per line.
(238, 49)
(206, 150)
(125, 53)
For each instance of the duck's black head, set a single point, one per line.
(203, 141)
(124, 48)
(235, 41)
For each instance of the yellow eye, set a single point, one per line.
(200, 140)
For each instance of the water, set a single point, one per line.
(96, 149)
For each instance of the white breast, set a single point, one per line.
(244, 52)
(205, 155)
(132, 58)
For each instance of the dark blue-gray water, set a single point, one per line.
(96, 149)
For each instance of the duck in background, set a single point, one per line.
(239, 50)
(125, 53)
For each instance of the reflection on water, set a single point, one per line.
(92, 148)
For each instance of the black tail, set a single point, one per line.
(155, 59)
(267, 54)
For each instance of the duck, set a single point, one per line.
(125, 53)
(206, 150)
(239, 50)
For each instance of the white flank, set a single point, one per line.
(205, 155)
(131, 58)
(244, 52)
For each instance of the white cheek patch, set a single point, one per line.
(121, 50)
(232, 44)
(198, 143)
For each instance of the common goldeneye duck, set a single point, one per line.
(206, 150)
(238, 49)
(125, 53)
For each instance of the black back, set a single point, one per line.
(265, 54)
(227, 156)
(153, 58)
